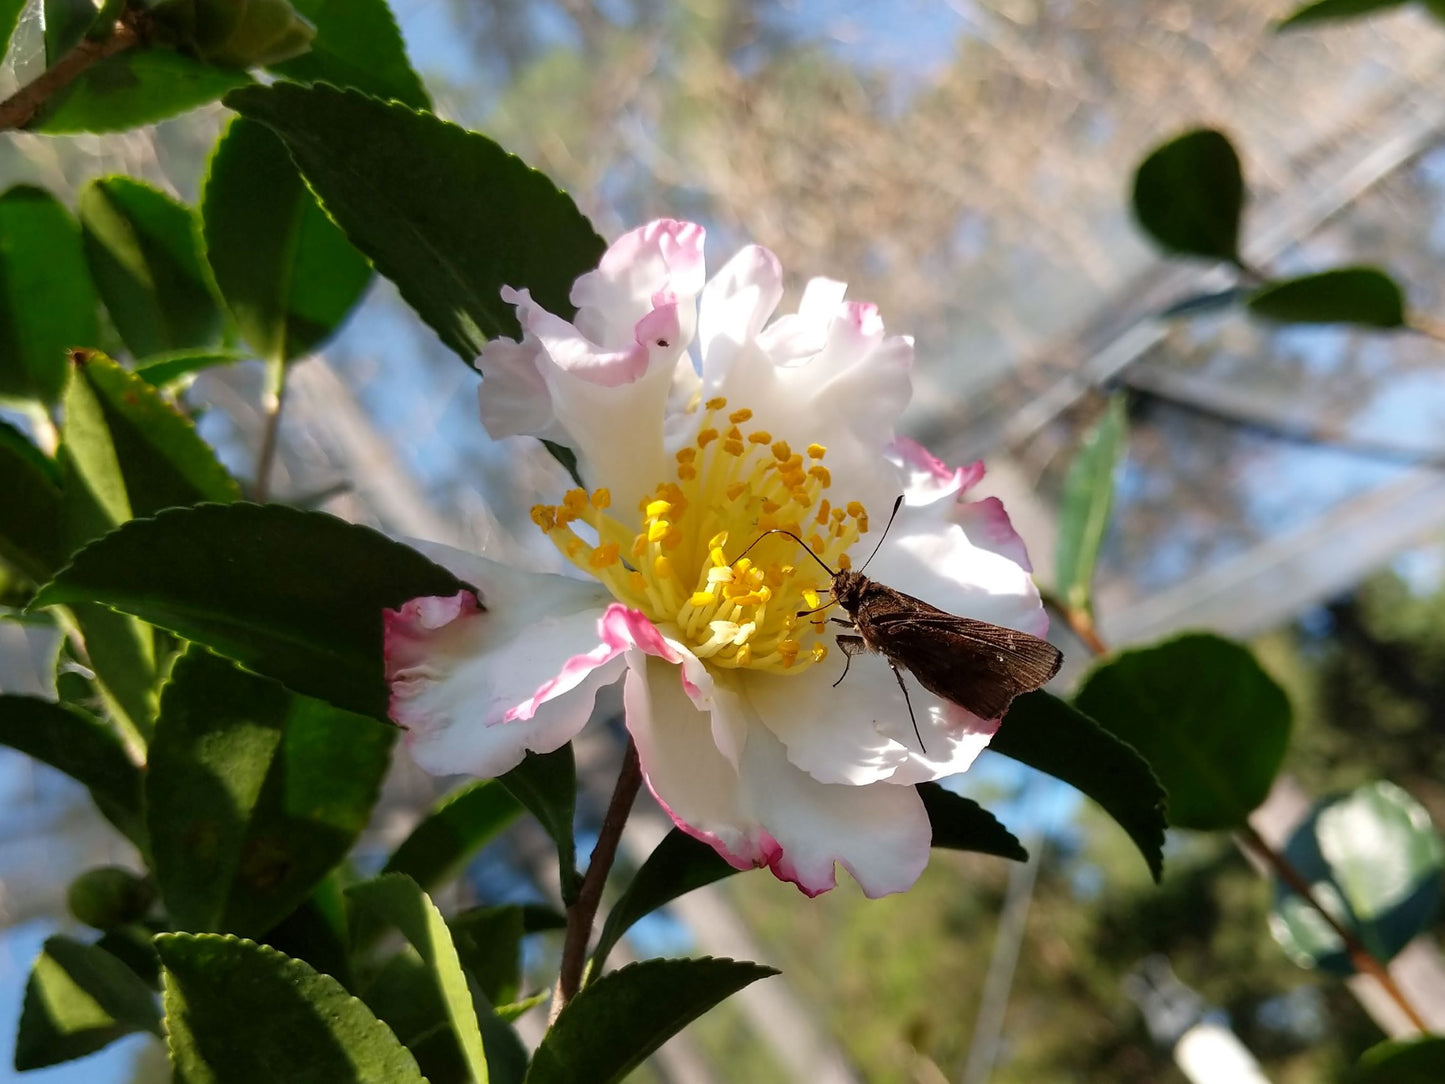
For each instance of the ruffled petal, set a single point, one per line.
(651, 265)
(766, 812)
(513, 396)
(927, 478)
(735, 305)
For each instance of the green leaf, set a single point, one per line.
(109, 897)
(239, 1013)
(66, 22)
(446, 214)
(1189, 195)
(1204, 714)
(1348, 295)
(47, 302)
(252, 794)
(139, 86)
(546, 783)
(79, 999)
(489, 944)
(288, 274)
(9, 14)
(1402, 1061)
(357, 45)
(165, 371)
(82, 747)
(960, 824)
(296, 596)
(1374, 860)
(398, 900)
(1322, 10)
(30, 512)
(144, 254)
(1046, 733)
(457, 827)
(1084, 510)
(316, 932)
(676, 866)
(612, 1026)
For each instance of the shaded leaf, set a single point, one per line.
(1374, 860)
(316, 932)
(1046, 733)
(47, 301)
(1322, 10)
(489, 944)
(165, 370)
(961, 824)
(288, 274)
(546, 783)
(456, 828)
(357, 45)
(109, 897)
(144, 254)
(296, 596)
(66, 22)
(82, 747)
(1087, 500)
(404, 186)
(1402, 1061)
(79, 998)
(136, 87)
(1189, 195)
(252, 794)
(612, 1026)
(238, 1013)
(1204, 714)
(30, 512)
(398, 899)
(1348, 295)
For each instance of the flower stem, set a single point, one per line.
(272, 400)
(1363, 960)
(17, 110)
(1080, 622)
(583, 910)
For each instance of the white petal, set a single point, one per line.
(513, 395)
(767, 812)
(664, 258)
(928, 479)
(735, 305)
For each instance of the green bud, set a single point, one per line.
(108, 897)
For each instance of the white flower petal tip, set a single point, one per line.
(927, 478)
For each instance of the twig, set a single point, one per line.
(17, 110)
(1080, 622)
(273, 398)
(1363, 960)
(1428, 326)
(582, 911)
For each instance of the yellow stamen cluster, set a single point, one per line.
(672, 562)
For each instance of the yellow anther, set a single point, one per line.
(767, 522)
(771, 506)
(816, 543)
(604, 556)
(686, 455)
(737, 417)
(782, 451)
(760, 436)
(824, 508)
(575, 546)
(699, 599)
(839, 515)
(662, 568)
(575, 501)
(811, 599)
(765, 592)
(863, 523)
(844, 561)
(686, 471)
(816, 451)
(706, 437)
(638, 583)
(717, 540)
(719, 560)
(657, 508)
(673, 539)
(601, 498)
(744, 655)
(732, 447)
(544, 516)
(657, 530)
(735, 490)
(820, 652)
(855, 509)
(741, 565)
(820, 472)
(717, 403)
(788, 650)
(733, 433)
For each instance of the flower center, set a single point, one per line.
(671, 562)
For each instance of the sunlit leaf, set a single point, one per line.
(1087, 500)
(357, 45)
(1402, 1061)
(132, 88)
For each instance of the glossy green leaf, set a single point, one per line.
(1205, 715)
(398, 900)
(144, 253)
(456, 828)
(47, 301)
(1374, 860)
(1402, 1061)
(81, 746)
(612, 1026)
(288, 274)
(405, 187)
(30, 512)
(252, 794)
(1087, 500)
(357, 45)
(1322, 10)
(676, 866)
(1348, 295)
(239, 1013)
(66, 22)
(961, 824)
(316, 932)
(136, 87)
(1046, 733)
(79, 999)
(1189, 195)
(546, 783)
(166, 371)
(296, 596)
(9, 14)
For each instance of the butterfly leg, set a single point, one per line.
(912, 718)
(850, 646)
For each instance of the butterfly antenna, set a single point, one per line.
(894, 515)
(806, 548)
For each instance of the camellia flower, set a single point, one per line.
(700, 421)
